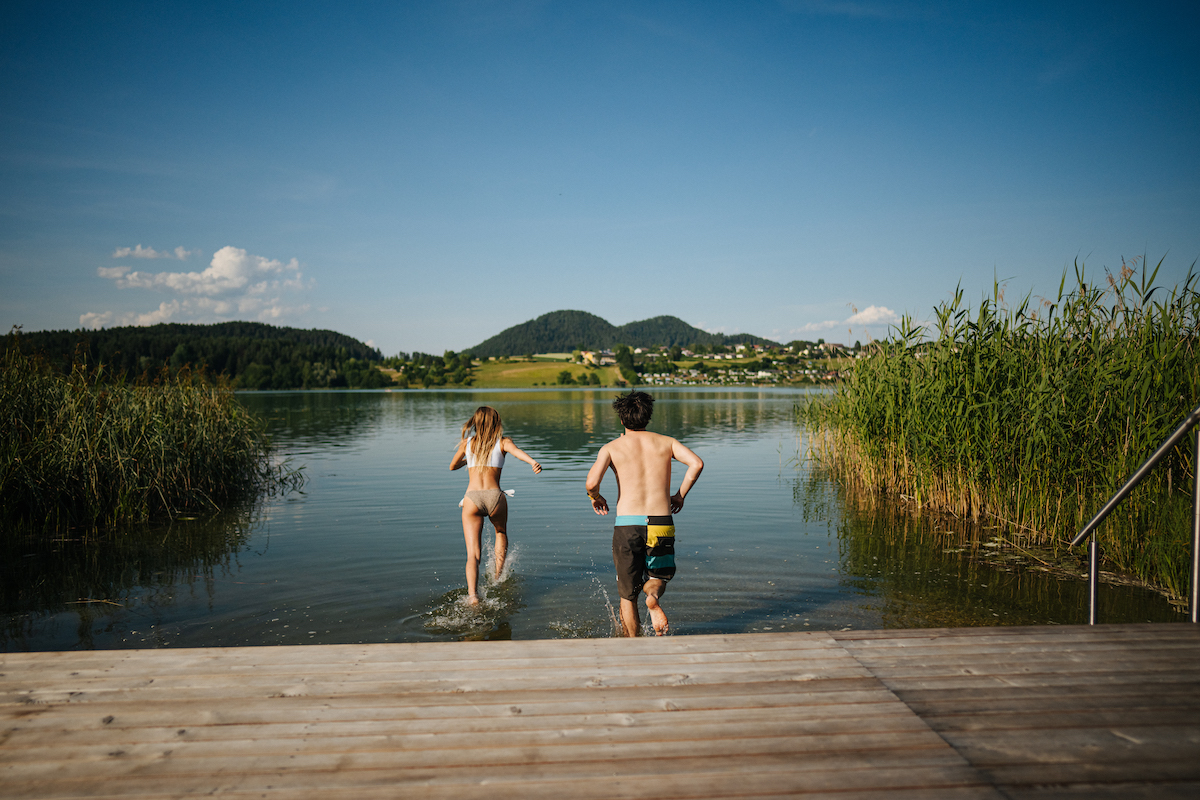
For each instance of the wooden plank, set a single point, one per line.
(1156, 790)
(567, 759)
(237, 691)
(129, 679)
(1015, 664)
(636, 700)
(59, 736)
(439, 651)
(1102, 658)
(1046, 720)
(134, 711)
(1065, 632)
(630, 779)
(989, 748)
(296, 658)
(917, 682)
(1119, 695)
(981, 637)
(477, 735)
(1096, 771)
(560, 790)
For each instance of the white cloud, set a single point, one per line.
(871, 316)
(230, 270)
(874, 315)
(179, 253)
(94, 320)
(235, 284)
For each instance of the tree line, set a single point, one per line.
(252, 355)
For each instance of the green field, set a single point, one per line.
(517, 374)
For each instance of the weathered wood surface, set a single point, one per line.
(1110, 711)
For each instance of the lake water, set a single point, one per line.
(372, 549)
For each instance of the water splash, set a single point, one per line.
(592, 626)
(498, 600)
(488, 565)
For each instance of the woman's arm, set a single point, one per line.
(460, 456)
(508, 447)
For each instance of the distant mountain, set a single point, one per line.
(563, 331)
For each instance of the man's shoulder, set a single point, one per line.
(646, 440)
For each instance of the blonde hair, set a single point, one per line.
(488, 430)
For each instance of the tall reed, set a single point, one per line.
(1034, 414)
(76, 450)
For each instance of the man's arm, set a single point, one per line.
(594, 476)
(695, 465)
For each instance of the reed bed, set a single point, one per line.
(1034, 415)
(80, 451)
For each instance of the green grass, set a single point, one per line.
(1034, 415)
(524, 374)
(79, 451)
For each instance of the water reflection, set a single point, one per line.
(944, 572)
(76, 592)
(568, 424)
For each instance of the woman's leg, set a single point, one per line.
(472, 520)
(499, 520)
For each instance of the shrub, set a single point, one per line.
(78, 451)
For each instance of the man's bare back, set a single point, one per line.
(641, 461)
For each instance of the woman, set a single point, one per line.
(482, 452)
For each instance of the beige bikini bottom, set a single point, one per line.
(489, 501)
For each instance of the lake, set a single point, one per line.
(372, 549)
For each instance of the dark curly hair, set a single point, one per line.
(634, 409)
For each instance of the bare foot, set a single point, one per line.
(472, 600)
(658, 617)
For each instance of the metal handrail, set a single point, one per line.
(1188, 423)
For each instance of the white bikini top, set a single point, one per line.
(496, 459)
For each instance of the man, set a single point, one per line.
(644, 534)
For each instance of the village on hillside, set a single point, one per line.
(735, 365)
(744, 364)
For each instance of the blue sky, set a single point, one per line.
(424, 175)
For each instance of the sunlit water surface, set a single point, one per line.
(372, 549)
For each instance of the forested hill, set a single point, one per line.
(253, 354)
(563, 331)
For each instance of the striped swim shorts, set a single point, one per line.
(643, 548)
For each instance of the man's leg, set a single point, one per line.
(629, 558)
(631, 624)
(654, 589)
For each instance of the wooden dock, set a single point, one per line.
(1109, 711)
